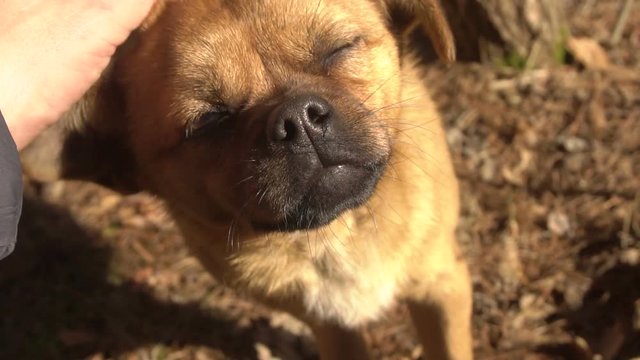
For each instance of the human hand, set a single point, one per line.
(53, 51)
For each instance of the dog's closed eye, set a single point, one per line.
(209, 121)
(336, 53)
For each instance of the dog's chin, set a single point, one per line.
(335, 190)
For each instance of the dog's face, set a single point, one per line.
(280, 113)
(274, 114)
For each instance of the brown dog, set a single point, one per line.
(299, 152)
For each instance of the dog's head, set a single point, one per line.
(280, 113)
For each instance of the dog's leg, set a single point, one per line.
(336, 342)
(442, 316)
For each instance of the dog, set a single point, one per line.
(297, 149)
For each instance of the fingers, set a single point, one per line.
(125, 16)
(130, 13)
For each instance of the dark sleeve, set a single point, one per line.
(10, 190)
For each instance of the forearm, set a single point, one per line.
(10, 190)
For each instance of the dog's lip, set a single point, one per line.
(336, 168)
(343, 182)
(340, 168)
(337, 172)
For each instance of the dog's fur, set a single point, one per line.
(332, 213)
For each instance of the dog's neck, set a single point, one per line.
(317, 265)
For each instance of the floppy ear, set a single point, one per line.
(428, 16)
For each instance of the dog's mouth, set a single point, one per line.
(326, 194)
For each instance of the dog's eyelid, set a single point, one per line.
(218, 108)
(347, 45)
(214, 117)
(338, 50)
(357, 39)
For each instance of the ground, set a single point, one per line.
(549, 162)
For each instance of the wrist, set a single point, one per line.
(24, 127)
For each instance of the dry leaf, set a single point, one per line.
(588, 53)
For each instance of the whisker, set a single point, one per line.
(314, 19)
(230, 233)
(264, 193)
(373, 218)
(390, 106)
(309, 243)
(387, 204)
(363, 102)
(244, 180)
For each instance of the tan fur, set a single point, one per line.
(398, 246)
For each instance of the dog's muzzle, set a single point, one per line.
(325, 170)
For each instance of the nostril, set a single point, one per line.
(279, 131)
(290, 129)
(284, 129)
(317, 113)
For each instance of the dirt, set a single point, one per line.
(549, 161)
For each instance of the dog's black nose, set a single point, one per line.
(300, 119)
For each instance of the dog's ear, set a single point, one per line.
(427, 15)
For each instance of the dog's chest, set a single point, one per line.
(335, 280)
(349, 290)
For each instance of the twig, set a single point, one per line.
(142, 251)
(587, 7)
(622, 21)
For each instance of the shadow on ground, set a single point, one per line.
(59, 303)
